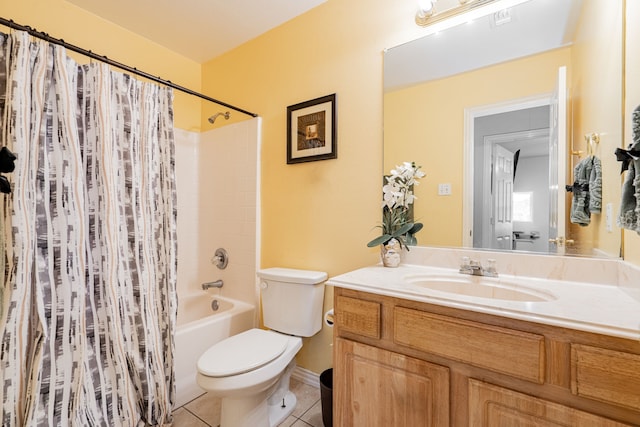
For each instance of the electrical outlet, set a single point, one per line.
(444, 189)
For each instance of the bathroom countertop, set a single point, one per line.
(600, 308)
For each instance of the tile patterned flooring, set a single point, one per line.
(204, 411)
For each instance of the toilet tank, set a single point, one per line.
(292, 300)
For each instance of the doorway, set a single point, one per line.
(501, 212)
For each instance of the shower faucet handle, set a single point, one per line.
(220, 258)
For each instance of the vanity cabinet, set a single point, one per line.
(399, 362)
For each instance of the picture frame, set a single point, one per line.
(311, 130)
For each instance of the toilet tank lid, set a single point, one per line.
(306, 277)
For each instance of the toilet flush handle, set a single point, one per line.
(263, 285)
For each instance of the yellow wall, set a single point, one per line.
(318, 215)
(632, 100)
(425, 123)
(65, 21)
(596, 98)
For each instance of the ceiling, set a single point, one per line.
(198, 29)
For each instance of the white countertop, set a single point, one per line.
(600, 308)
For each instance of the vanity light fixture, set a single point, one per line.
(466, 11)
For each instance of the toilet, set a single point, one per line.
(251, 371)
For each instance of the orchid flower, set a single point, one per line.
(397, 198)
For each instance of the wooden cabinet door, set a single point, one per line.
(494, 406)
(374, 387)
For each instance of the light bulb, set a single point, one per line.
(425, 7)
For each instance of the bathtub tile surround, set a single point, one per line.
(217, 185)
(228, 170)
(204, 411)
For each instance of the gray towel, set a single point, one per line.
(629, 216)
(595, 186)
(587, 190)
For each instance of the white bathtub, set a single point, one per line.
(199, 327)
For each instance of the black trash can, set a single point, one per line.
(326, 397)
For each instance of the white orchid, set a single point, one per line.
(397, 192)
(397, 198)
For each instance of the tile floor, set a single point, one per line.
(204, 411)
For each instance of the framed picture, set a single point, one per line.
(311, 130)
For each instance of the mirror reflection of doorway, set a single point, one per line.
(543, 112)
(511, 185)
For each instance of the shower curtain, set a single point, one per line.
(89, 303)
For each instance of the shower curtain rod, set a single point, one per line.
(44, 36)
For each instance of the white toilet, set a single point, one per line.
(250, 371)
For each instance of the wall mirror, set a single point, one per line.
(502, 109)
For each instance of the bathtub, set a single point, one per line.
(198, 328)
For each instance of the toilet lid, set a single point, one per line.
(241, 353)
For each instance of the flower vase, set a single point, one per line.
(391, 253)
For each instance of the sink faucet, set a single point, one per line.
(216, 284)
(474, 267)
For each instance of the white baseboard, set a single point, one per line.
(306, 376)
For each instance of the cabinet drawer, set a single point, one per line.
(516, 353)
(358, 316)
(606, 375)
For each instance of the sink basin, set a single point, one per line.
(479, 287)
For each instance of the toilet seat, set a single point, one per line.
(242, 353)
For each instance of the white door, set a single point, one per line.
(502, 195)
(558, 164)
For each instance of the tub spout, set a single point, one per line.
(216, 284)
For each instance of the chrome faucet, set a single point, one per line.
(474, 267)
(209, 285)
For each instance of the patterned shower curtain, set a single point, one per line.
(89, 303)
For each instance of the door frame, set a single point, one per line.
(470, 114)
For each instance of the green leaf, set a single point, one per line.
(416, 227)
(379, 240)
(402, 230)
(410, 240)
